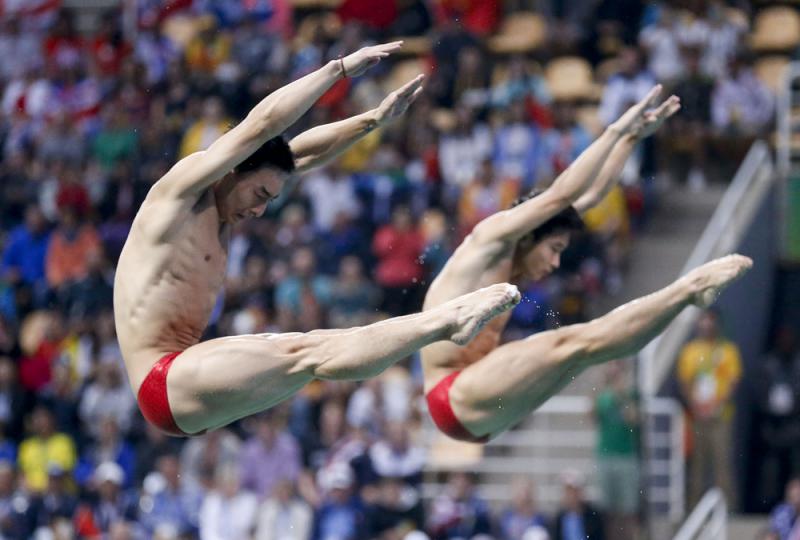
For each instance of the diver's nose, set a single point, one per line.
(258, 211)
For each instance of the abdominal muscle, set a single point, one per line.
(165, 291)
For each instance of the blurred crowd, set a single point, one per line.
(92, 117)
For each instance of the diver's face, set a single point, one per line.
(247, 195)
(543, 258)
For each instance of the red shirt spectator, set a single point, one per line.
(398, 246)
(378, 15)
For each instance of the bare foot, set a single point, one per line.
(708, 280)
(472, 311)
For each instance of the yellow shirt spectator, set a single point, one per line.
(37, 453)
(709, 371)
(609, 216)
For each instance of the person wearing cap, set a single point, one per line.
(109, 503)
(577, 519)
(14, 503)
(341, 514)
(57, 500)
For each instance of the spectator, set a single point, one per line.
(662, 41)
(522, 85)
(25, 253)
(463, 150)
(203, 132)
(269, 456)
(151, 445)
(523, 514)
(396, 511)
(209, 49)
(332, 195)
(56, 502)
(396, 457)
(741, 105)
(692, 123)
(341, 515)
(458, 512)
(709, 369)
(354, 298)
(168, 505)
(109, 447)
(20, 48)
(519, 151)
(11, 400)
(209, 455)
(629, 85)
(28, 95)
(109, 506)
(60, 395)
(294, 231)
(71, 245)
(283, 516)
(398, 246)
(565, 141)
(117, 141)
(109, 396)
(437, 245)
(777, 397)
(784, 517)
(617, 415)
(302, 297)
(61, 140)
(228, 512)
(45, 447)
(14, 505)
(487, 194)
(93, 294)
(155, 51)
(577, 518)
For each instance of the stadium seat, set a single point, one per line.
(413, 45)
(403, 72)
(770, 70)
(519, 33)
(570, 77)
(776, 29)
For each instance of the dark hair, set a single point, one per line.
(568, 220)
(273, 153)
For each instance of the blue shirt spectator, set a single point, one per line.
(784, 516)
(24, 256)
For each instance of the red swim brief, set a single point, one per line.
(443, 415)
(153, 400)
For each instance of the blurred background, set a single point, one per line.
(697, 437)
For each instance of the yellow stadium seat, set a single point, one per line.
(776, 28)
(570, 78)
(519, 33)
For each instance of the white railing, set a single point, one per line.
(561, 435)
(721, 236)
(785, 120)
(663, 462)
(708, 520)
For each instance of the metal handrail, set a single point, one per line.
(733, 215)
(709, 517)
